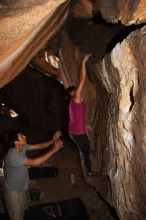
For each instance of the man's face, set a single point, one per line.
(22, 139)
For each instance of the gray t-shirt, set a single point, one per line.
(15, 173)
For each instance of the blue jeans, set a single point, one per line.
(84, 145)
(15, 203)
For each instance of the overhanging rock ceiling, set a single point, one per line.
(20, 17)
(24, 34)
(26, 26)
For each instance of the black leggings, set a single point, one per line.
(83, 143)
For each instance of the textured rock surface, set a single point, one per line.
(19, 17)
(123, 125)
(116, 121)
(15, 58)
(128, 12)
(83, 9)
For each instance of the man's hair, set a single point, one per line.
(11, 136)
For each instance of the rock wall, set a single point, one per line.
(120, 129)
(116, 121)
(127, 12)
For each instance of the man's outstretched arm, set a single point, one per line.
(45, 144)
(39, 160)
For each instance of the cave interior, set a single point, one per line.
(37, 99)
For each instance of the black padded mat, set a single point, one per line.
(37, 172)
(71, 209)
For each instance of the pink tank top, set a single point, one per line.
(77, 113)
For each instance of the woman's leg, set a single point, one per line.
(84, 145)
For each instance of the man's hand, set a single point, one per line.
(57, 135)
(57, 145)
